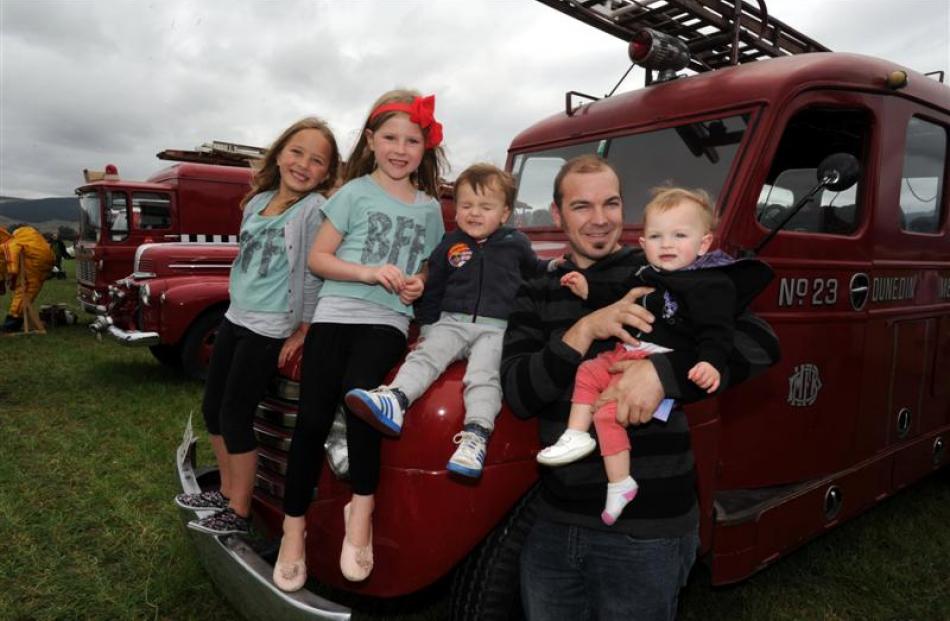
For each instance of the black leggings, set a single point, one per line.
(337, 358)
(242, 364)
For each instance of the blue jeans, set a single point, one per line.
(577, 573)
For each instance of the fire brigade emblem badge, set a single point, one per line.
(803, 385)
(459, 254)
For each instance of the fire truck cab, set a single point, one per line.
(190, 201)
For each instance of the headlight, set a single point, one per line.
(144, 294)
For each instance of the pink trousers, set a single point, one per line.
(592, 379)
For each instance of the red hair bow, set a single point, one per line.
(421, 112)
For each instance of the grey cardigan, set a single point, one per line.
(299, 233)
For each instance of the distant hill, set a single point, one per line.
(40, 210)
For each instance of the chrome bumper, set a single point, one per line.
(134, 338)
(239, 572)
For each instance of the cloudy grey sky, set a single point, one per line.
(89, 82)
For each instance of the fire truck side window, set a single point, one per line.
(117, 216)
(152, 210)
(812, 135)
(89, 216)
(925, 157)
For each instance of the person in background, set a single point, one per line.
(59, 253)
(25, 262)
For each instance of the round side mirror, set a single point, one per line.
(839, 171)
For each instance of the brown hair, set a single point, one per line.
(266, 174)
(668, 197)
(587, 163)
(481, 176)
(362, 161)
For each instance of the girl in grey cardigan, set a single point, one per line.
(273, 296)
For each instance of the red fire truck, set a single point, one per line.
(832, 168)
(193, 200)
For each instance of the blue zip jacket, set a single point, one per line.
(477, 278)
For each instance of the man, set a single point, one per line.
(572, 565)
(59, 253)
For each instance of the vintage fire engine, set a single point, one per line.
(193, 200)
(832, 168)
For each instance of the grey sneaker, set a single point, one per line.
(224, 522)
(469, 458)
(202, 500)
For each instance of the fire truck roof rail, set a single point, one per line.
(718, 33)
(216, 152)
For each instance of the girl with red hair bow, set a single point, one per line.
(379, 229)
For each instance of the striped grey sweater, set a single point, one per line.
(538, 380)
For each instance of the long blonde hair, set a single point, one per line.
(362, 161)
(266, 175)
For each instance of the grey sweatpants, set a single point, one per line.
(451, 338)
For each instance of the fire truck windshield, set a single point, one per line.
(693, 155)
(90, 221)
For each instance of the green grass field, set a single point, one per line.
(89, 530)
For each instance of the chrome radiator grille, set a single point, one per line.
(86, 270)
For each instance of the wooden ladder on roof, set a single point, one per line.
(718, 33)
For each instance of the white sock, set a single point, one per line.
(618, 495)
(573, 432)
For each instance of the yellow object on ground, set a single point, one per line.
(25, 261)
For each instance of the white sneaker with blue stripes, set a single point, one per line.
(378, 407)
(469, 458)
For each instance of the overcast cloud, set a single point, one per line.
(89, 82)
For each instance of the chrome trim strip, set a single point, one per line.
(95, 309)
(272, 440)
(271, 463)
(275, 416)
(286, 389)
(133, 338)
(239, 572)
(199, 266)
(269, 485)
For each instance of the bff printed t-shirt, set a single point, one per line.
(260, 272)
(378, 229)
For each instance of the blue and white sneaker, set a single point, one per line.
(469, 458)
(379, 407)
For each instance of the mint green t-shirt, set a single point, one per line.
(379, 229)
(260, 272)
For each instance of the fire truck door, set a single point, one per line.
(817, 302)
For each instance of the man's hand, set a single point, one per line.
(705, 376)
(611, 322)
(412, 289)
(577, 283)
(638, 392)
